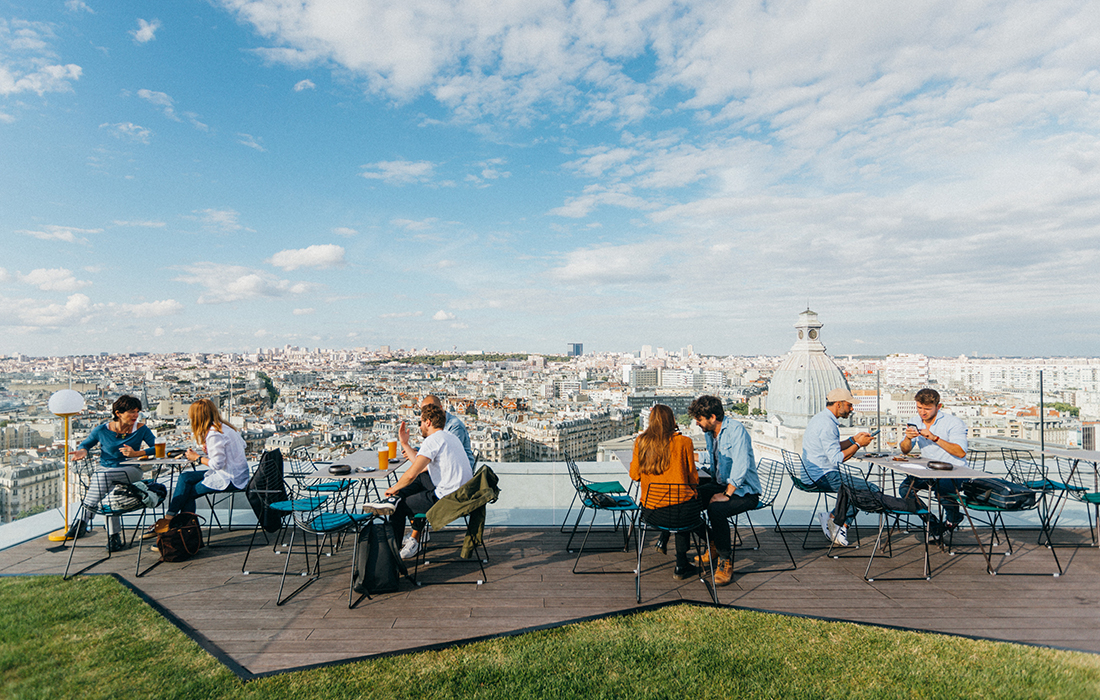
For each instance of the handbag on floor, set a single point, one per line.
(178, 538)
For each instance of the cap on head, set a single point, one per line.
(840, 394)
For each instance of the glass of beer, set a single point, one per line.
(384, 458)
(160, 447)
(393, 449)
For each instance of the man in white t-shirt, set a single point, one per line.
(436, 470)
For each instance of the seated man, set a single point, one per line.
(734, 487)
(822, 454)
(940, 437)
(454, 425)
(439, 468)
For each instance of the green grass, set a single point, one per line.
(92, 638)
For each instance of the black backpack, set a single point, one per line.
(266, 487)
(378, 565)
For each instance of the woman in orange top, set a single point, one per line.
(663, 456)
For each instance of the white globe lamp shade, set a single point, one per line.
(66, 403)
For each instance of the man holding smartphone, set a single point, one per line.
(941, 437)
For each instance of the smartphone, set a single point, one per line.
(875, 434)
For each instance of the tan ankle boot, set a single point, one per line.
(704, 558)
(724, 573)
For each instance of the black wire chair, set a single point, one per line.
(890, 509)
(674, 508)
(770, 473)
(793, 464)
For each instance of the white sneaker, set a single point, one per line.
(827, 526)
(840, 537)
(386, 507)
(409, 550)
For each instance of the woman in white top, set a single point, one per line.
(224, 455)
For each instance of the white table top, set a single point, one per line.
(1086, 455)
(363, 463)
(918, 467)
(152, 463)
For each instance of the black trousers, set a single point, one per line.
(718, 512)
(415, 498)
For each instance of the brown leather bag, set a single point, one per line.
(178, 537)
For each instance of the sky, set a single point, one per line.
(513, 176)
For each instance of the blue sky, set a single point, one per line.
(514, 176)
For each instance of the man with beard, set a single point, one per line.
(437, 469)
(822, 454)
(942, 437)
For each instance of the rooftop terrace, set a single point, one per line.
(530, 585)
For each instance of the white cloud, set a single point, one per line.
(302, 312)
(152, 309)
(56, 279)
(228, 283)
(32, 313)
(399, 172)
(345, 231)
(304, 85)
(78, 6)
(161, 100)
(415, 225)
(442, 315)
(4, 277)
(128, 131)
(502, 59)
(251, 141)
(146, 31)
(68, 234)
(158, 332)
(319, 256)
(224, 220)
(402, 314)
(27, 61)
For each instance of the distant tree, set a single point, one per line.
(740, 409)
(1066, 408)
(758, 412)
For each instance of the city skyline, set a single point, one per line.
(227, 175)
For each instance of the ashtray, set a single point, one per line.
(339, 469)
(942, 466)
(395, 460)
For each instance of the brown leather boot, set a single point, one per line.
(724, 574)
(704, 558)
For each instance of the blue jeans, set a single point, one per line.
(830, 481)
(188, 488)
(946, 492)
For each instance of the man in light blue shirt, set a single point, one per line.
(735, 487)
(940, 437)
(454, 425)
(822, 454)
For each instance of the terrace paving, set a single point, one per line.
(530, 585)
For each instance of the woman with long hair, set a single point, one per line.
(224, 456)
(663, 456)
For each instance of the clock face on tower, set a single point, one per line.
(813, 334)
(800, 335)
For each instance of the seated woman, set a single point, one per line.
(224, 455)
(663, 456)
(119, 439)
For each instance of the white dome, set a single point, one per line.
(798, 387)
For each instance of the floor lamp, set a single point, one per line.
(65, 403)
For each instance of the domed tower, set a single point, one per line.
(798, 388)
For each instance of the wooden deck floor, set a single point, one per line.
(530, 584)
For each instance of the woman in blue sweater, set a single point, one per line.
(119, 439)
